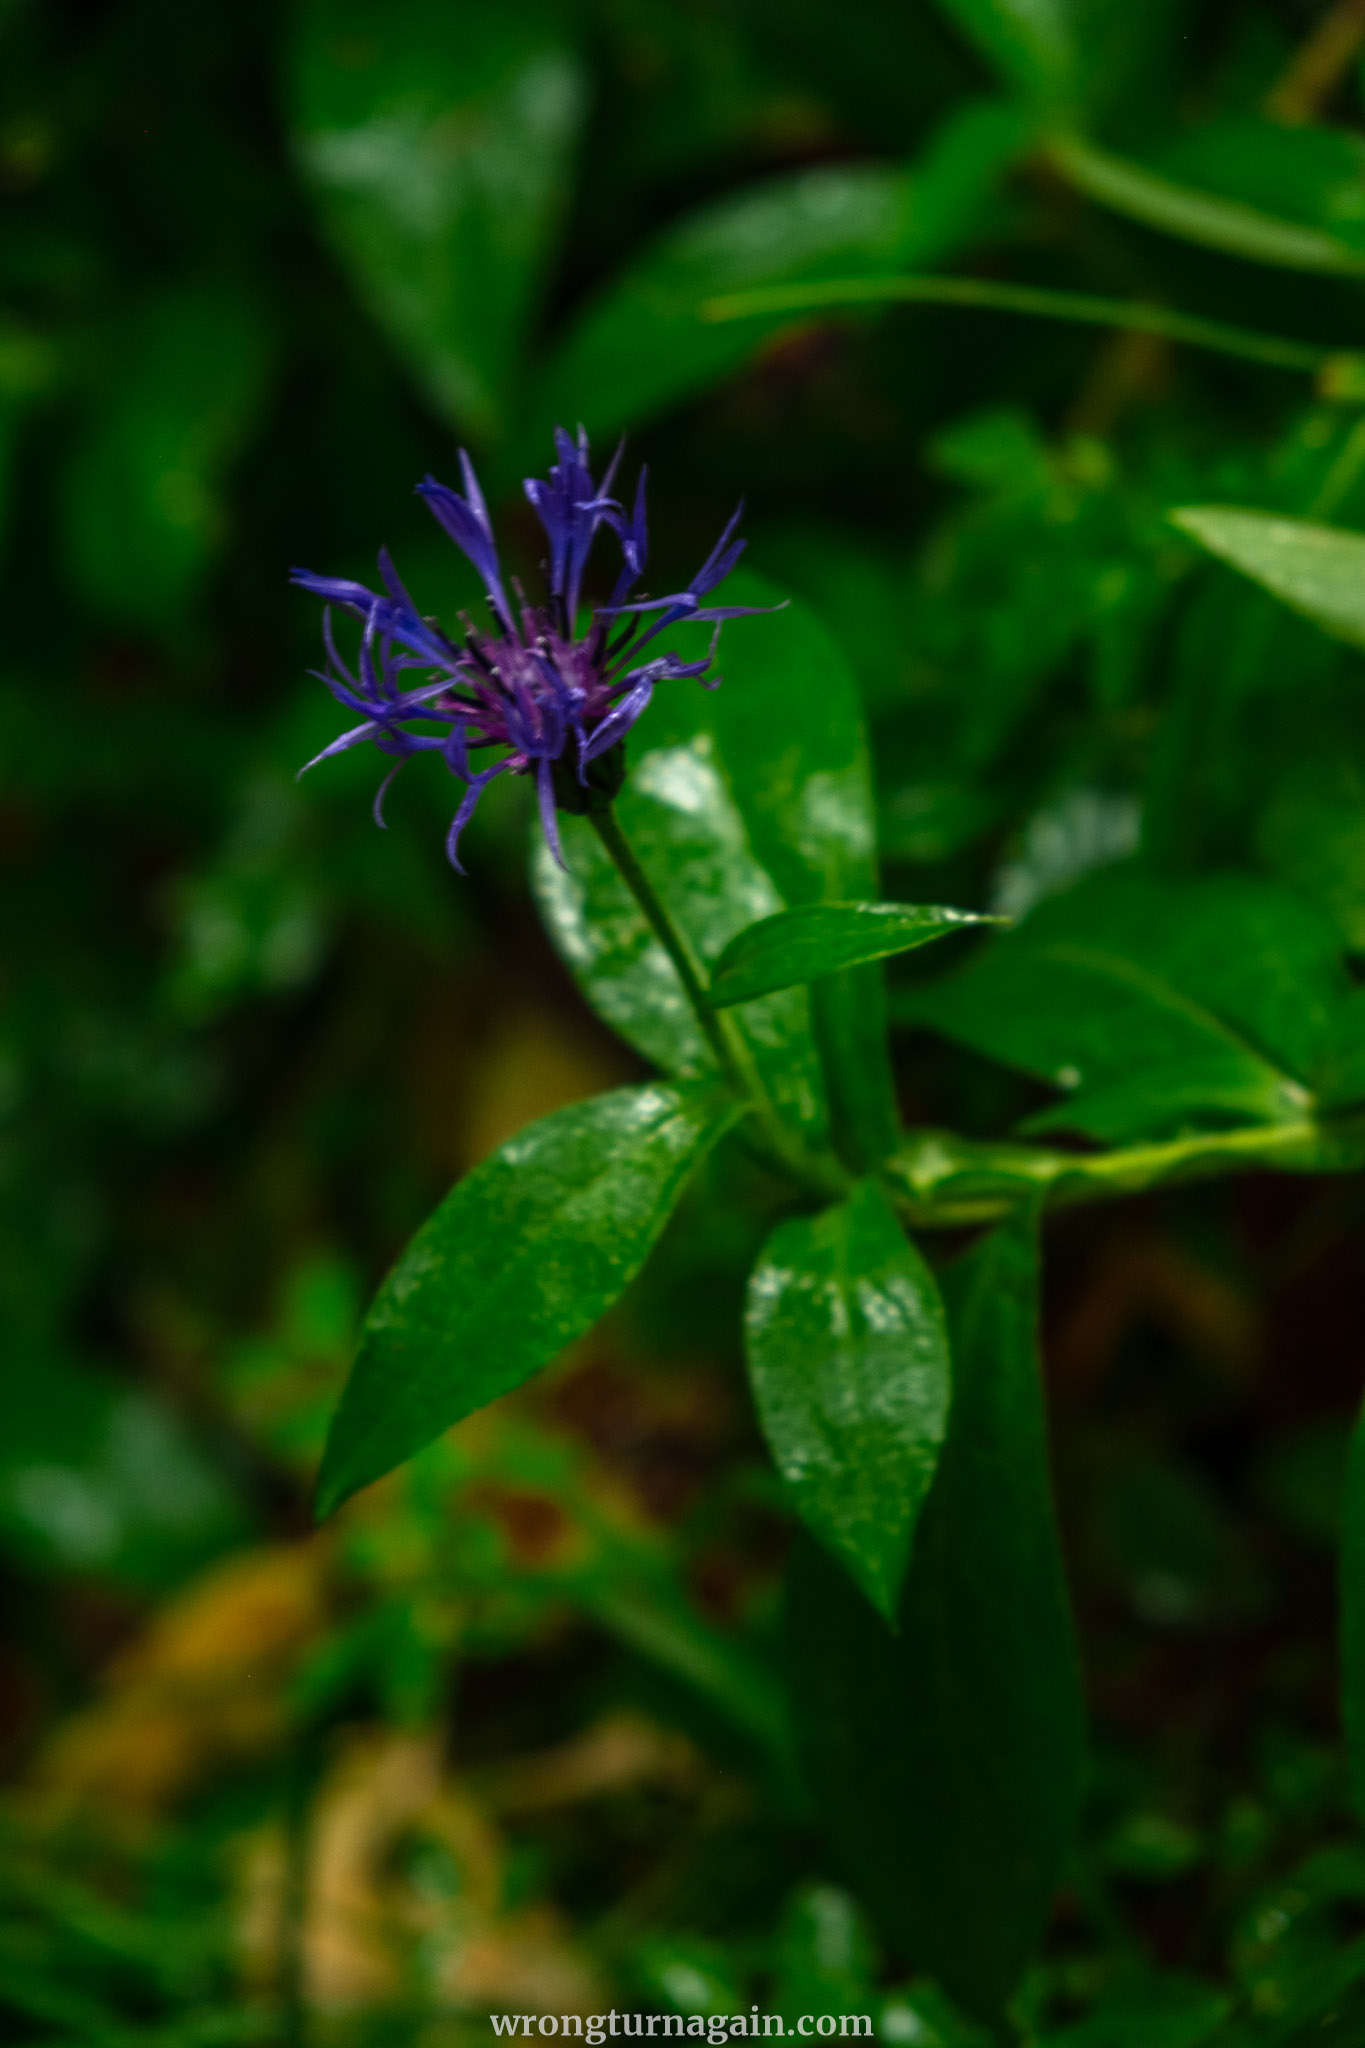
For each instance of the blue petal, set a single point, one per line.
(545, 790)
(466, 521)
(619, 721)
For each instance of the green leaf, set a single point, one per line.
(789, 722)
(1295, 171)
(30, 365)
(848, 1361)
(524, 1255)
(739, 802)
(1204, 218)
(642, 345)
(1055, 53)
(142, 498)
(947, 1758)
(1341, 1080)
(437, 142)
(797, 946)
(826, 1962)
(1156, 2009)
(1153, 1003)
(97, 1477)
(1030, 42)
(680, 814)
(1316, 570)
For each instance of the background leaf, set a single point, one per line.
(1031, 42)
(438, 142)
(1154, 1002)
(947, 1759)
(848, 1362)
(1096, 54)
(1156, 2009)
(524, 1255)
(99, 1477)
(1297, 170)
(1316, 570)
(1207, 219)
(141, 497)
(641, 345)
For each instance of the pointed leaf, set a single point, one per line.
(437, 143)
(796, 946)
(789, 721)
(848, 1361)
(1316, 570)
(524, 1255)
(947, 1759)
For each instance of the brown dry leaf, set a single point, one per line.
(1141, 1276)
(373, 1937)
(618, 1752)
(532, 1066)
(203, 1684)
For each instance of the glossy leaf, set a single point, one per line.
(947, 1758)
(1207, 219)
(789, 723)
(524, 1255)
(437, 142)
(848, 1362)
(642, 345)
(1316, 570)
(739, 802)
(797, 946)
(679, 812)
(141, 499)
(1154, 1003)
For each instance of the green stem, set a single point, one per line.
(823, 1178)
(730, 1058)
(983, 294)
(939, 1180)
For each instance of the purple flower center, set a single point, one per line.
(528, 685)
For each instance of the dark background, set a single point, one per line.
(497, 1737)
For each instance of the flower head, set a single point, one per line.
(526, 682)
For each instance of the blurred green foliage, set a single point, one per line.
(514, 1732)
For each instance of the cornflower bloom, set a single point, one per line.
(528, 684)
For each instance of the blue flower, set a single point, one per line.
(526, 684)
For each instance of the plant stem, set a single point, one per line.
(737, 1071)
(939, 1180)
(821, 1177)
(1136, 316)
